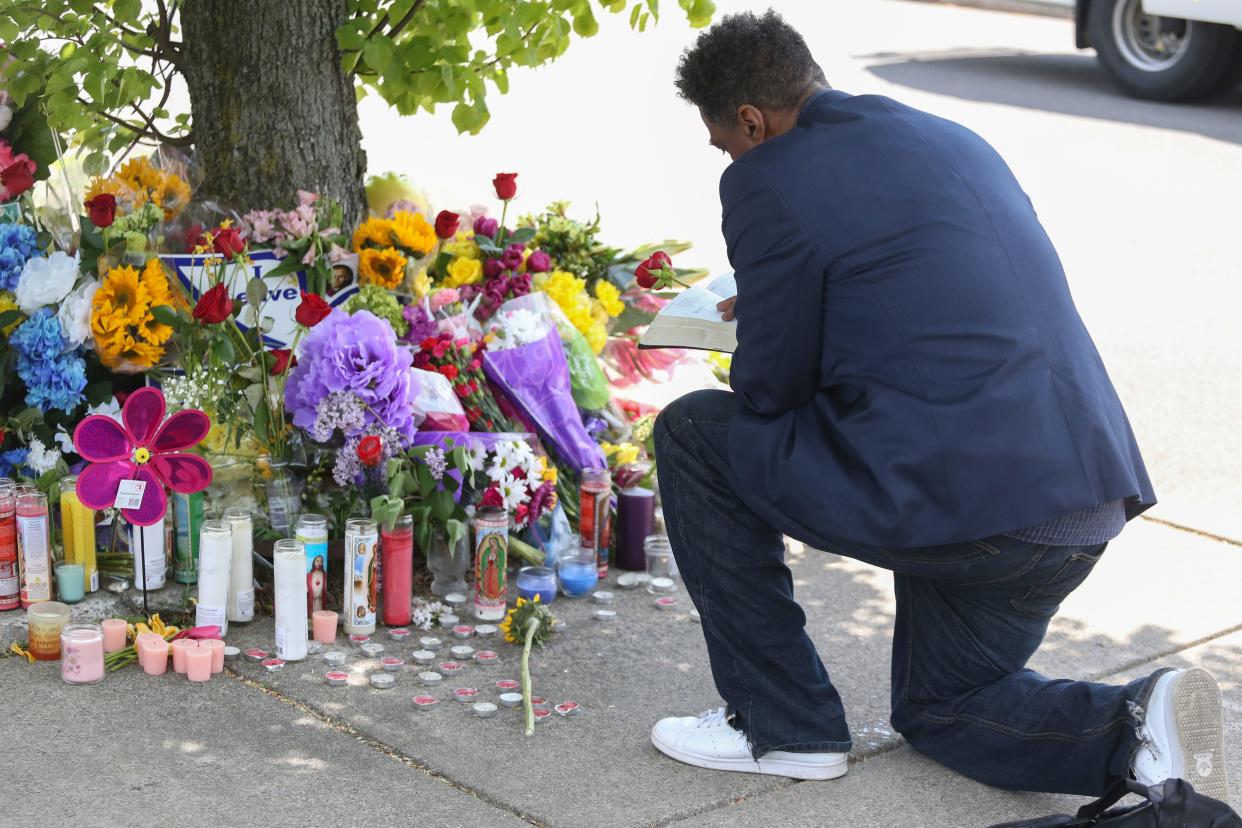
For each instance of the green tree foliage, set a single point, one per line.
(106, 69)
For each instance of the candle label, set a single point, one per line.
(491, 560)
(129, 494)
(245, 603)
(188, 513)
(595, 505)
(282, 640)
(10, 588)
(360, 582)
(32, 545)
(206, 616)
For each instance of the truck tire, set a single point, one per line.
(1161, 58)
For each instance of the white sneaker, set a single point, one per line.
(709, 741)
(1183, 734)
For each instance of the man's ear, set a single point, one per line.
(752, 123)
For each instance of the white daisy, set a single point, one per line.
(513, 491)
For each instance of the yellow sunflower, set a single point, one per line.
(413, 232)
(172, 195)
(374, 231)
(127, 199)
(385, 268)
(121, 320)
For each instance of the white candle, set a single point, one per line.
(289, 563)
(241, 569)
(215, 556)
(147, 545)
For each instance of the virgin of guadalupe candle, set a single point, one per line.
(289, 566)
(78, 533)
(360, 594)
(241, 566)
(10, 588)
(215, 559)
(491, 561)
(34, 549)
(81, 654)
(397, 547)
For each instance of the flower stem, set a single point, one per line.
(531, 626)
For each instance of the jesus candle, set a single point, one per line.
(635, 516)
(289, 565)
(241, 568)
(113, 634)
(215, 555)
(197, 663)
(324, 623)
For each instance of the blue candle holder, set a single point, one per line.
(537, 580)
(577, 578)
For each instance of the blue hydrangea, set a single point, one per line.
(53, 377)
(39, 337)
(17, 244)
(12, 461)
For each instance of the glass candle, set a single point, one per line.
(148, 545)
(114, 630)
(635, 518)
(491, 562)
(152, 654)
(188, 527)
(595, 505)
(215, 560)
(34, 549)
(180, 648)
(81, 653)
(10, 589)
(69, 584)
(323, 624)
(78, 533)
(198, 663)
(45, 620)
(537, 580)
(577, 574)
(359, 597)
(312, 531)
(240, 599)
(289, 573)
(660, 566)
(397, 548)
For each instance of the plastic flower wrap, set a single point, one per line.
(358, 354)
(139, 182)
(456, 358)
(127, 335)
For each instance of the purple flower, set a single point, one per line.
(538, 262)
(512, 258)
(484, 226)
(422, 322)
(357, 353)
(492, 268)
(519, 285)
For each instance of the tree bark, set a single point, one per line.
(272, 110)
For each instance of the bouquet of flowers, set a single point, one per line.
(457, 359)
(387, 246)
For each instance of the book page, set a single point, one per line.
(699, 302)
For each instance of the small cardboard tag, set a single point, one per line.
(129, 494)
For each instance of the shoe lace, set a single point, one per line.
(711, 718)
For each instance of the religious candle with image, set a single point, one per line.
(360, 595)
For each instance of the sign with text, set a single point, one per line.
(284, 292)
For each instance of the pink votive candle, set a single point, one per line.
(114, 635)
(142, 651)
(198, 663)
(153, 654)
(323, 626)
(180, 647)
(216, 647)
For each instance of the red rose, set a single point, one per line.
(214, 306)
(193, 236)
(447, 224)
(646, 274)
(492, 496)
(370, 450)
(102, 210)
(506, 185)
(228, 242)
(312, 311)
(18, 177)
(283, 356)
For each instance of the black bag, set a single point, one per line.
(1171, 804)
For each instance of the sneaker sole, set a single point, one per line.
(771, 767)
(1196, 712)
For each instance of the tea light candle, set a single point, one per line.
(424, 703)
(450, 668)
(536, 580)
(382, 681)
(465, 695)
(323, 623)
(429, 642)
(455, 601)
(255, 654)
(391, 663)
(666, 602)
(484, 710)
(371, 650)
(215, 647)
(231, 653)
(399, 634)
(630, 580)
(81, 652)
(542, 714)
(568, 708)
(538, 701)
(198, 663)
(486, 630)
(463, 631)
(448, 620)
(430, 679)
(605, 615)
(336, 657)
(335, 678)
(272, 665)
(314, 648)
(180, 648)
(507, 685)
(153, 654)
(113, 634)
(358, 639)
(423, 657)
(462, 652)
(662, 584)
(602, 597)
(510, 699)
(486, 657)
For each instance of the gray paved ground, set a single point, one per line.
(1141, 201)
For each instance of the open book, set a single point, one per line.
(691, 320)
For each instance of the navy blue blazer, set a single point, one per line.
(912, 368)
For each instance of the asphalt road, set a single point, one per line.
(1140, 198)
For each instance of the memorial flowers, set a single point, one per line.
(127, 334)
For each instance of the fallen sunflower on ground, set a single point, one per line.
(530, 622)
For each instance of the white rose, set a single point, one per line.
(41, 458)
(6, 117)
(75, 313)
(46, 281)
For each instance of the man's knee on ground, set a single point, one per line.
(683, 409)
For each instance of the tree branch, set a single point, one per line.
(404, 21)
(115, 22)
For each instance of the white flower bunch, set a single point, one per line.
(514, 328)
(515, 470)
(46, 281)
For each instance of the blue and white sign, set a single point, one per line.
(284, 292)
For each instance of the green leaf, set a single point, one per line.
(256, 289)
(8, 317)
(262, 423)
(456, 530)
(165, 315)
(427, 483)
(377, 52)
(27, 417)
(223, 349)
(442, 505)
(522, 235)
(291, 264)
(460, 461)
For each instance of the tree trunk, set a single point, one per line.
(272, 111)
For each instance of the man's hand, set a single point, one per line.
(726, 308)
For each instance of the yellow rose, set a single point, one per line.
(464, 272)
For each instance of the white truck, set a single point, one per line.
(1163, 50)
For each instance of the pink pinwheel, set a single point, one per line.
(146, 448)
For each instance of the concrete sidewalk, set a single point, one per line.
(284, 748)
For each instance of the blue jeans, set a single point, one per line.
(969, 616)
